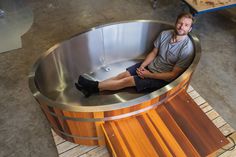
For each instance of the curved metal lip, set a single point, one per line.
(38, 95)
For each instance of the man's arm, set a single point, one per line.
(162, 76)
(150, 57)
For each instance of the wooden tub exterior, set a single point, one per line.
(85, 127)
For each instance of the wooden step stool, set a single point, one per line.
(176, 128)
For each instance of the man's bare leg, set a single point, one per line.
(88, 87)
(113, 84)
(119, 76)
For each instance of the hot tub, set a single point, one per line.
(98, 54)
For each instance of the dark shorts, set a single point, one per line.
(146, 84)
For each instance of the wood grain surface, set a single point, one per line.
(176, 128)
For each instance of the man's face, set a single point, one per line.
(183, 26)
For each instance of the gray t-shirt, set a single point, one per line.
(178, 54)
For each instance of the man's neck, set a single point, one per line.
(176, 38)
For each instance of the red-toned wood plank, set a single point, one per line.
(153, 136)
(119, 145)
(135, 137)
(166, 135)
(199, 129)
(176, 131)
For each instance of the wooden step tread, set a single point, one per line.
(177, 128)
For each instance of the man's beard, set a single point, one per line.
(182, 34)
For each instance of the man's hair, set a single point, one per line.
(186, 15)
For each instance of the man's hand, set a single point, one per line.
(143, 73)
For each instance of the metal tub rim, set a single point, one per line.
(39, 96)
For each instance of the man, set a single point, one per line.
(172, 53)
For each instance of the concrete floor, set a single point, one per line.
(24, 129)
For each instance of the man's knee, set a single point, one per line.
(129, 81)
(123, 75)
